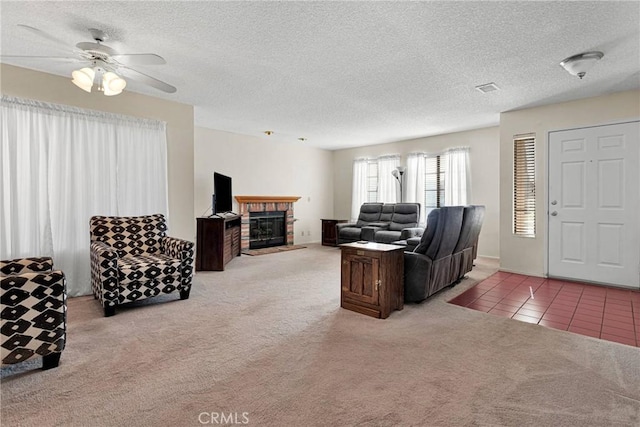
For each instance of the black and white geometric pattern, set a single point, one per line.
(133, 259)
(17, 266)
(34, 309)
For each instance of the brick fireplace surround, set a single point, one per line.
(249, 204)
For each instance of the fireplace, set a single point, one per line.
(267, 229)
(265, 208)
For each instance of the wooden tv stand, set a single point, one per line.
(217, 241)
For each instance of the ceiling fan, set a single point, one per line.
(103, 64)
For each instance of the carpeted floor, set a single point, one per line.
(265, 341)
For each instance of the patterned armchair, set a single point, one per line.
(133, 259)
(34, 311)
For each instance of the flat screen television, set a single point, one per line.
(222, 193)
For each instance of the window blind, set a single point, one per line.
(434, 176)
(524, 187)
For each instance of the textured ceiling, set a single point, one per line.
(345, 74)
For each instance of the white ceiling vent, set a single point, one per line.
(488, 87)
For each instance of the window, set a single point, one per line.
(434, 182)
(60, 166)
(372, 180)
(438, 179)
(524, 186)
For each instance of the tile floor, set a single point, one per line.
(597, 311)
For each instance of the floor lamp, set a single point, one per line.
(397, 173)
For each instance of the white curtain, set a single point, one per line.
(359, 189)
(60, 166)
(457, 192)
(415, 182)
(457, 177)
(388, 187)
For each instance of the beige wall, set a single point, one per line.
(485, 175)
(529, 255)
(266, 168)
(20, 82)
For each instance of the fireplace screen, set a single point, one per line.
(267, 229)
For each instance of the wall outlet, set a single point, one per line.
(302, 233)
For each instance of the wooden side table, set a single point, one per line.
(372, 278)
(329, 233)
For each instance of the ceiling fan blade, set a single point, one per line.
(139, 59)
(97, 47)
(148, 80)
(45, 35)
(47, 58)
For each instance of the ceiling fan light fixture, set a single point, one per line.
(109, 82)
(579, 64)
(83, 78)
(112, 84)
(85, 87)
(109, 92)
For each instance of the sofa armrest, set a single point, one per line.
(368, 233)
(379, 225)
(26, 265)
(182, 250)
(412, 243)
(408, 233)
(342, 225)
(417, 273)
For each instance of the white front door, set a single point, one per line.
(593, 206)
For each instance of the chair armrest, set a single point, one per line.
(103, 250)
(408, 233)
(26, 265)
(176, 248)
(342, 225)
(53, 280)
(182, 250)
(38, 300)
(104, 273)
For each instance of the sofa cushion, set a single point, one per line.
(405, 215)
(369, 212)
(387, 212)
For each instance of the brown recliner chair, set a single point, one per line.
(34, 311)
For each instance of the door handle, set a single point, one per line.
(554, 213)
